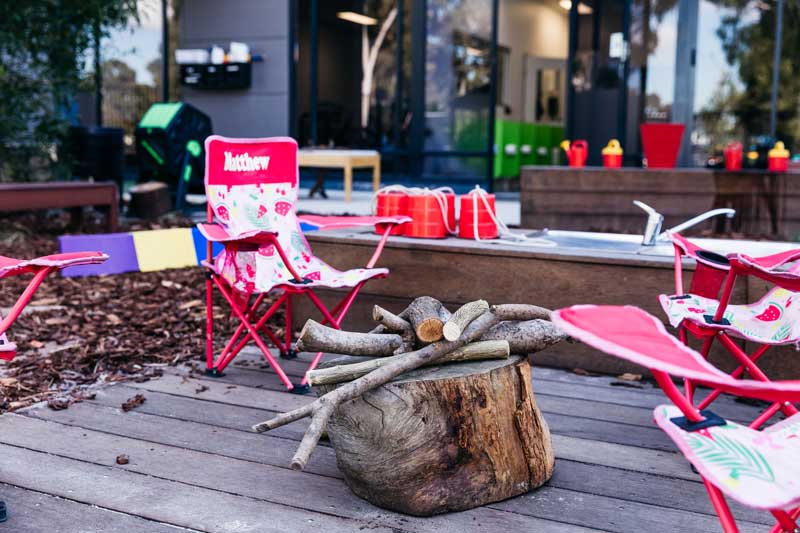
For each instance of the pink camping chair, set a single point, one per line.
(771, 321)
(40, 268)
(251, 185)
(757, 468)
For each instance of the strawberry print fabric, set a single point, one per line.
(774, 319)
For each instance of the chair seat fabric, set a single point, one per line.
(774, 319)
(263, 271)
(757, 468)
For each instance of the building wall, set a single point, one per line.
(535, 27)
(263, 109)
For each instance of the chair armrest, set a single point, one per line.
(768, 268)
(701, 255)
(767, 262)
(333, 222)
(217, 233)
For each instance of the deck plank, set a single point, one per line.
(288, 489)
(155, 498)
(34, 512)
(643, 488)
(615, 471)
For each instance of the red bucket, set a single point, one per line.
(391, 203)
(426, 214)
(486, 226)
(661, 143)
(733, 156)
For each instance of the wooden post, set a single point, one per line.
(348, 182)
(376, 174)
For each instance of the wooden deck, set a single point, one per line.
(194, 465)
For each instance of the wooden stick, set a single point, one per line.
(463, 316)
(526, 337)
(520, 312)
(390, 320)
(315, 337)
(495, 349)
(322, 408)
(395, 324)
(423, 314)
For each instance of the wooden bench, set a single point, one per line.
(347, 160)
(61, 195)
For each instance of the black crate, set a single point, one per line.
(217, 77)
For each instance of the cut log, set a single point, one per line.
(315, 337)
(150, 199)
(526, 337)
(497, 349)
(464, 315)
(322, 408)
(446, 438)
(423, 314)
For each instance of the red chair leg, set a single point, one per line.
(230, 353)
(209, 324)
(786, 522)
(721, 507)
(254, 334)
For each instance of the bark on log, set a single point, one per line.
(442, 439)
(464, 315)
(526, 337)
(521, 312)
(423, 314)
(315, 337)
(496, 349)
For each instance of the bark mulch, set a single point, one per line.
(81, 332)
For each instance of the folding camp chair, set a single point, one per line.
(40, 268)
(773, 320)
(757, 468)
(251, 186)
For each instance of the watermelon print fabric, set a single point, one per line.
(774, 319)
(270, 207)
(757, 468)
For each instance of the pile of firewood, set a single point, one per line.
(425, 333)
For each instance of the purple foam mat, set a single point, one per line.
(118, 246)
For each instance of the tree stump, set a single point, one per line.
(150, 199)
(444, 438)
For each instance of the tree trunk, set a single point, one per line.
(150, 199)
(444, 438)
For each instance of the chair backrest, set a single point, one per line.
(251, 184)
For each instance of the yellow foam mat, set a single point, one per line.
(164, 248)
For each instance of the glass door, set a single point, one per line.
(453, 89)
(599, 73)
